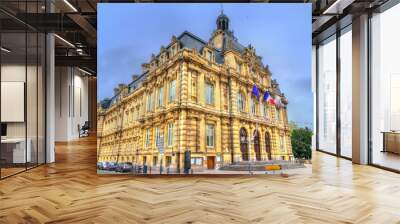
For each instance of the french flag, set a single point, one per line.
(268, 98)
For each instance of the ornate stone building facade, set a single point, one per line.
(196, 95)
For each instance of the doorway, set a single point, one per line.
(210, 162)
(257, 145)
(268, 145)
(243, 144)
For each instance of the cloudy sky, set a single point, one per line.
(281, 33)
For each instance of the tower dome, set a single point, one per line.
(223, 22)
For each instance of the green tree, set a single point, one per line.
(301, 143)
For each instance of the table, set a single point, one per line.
(391, 141)
(13, 150)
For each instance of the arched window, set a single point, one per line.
(241, 102)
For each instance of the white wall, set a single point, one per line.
(71, 103)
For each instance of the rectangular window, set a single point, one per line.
(149, 103)
(160, 97)
(238, 68)
(158, 138)
(327, 95)
(198, 161)
(265, 108)
(240, 102)
(209, 93)
(253, 106)
(172, 91)
(148, 133)
(262, 109)
(170, 134)
(385, 88)
(346, 93)
(210, 132)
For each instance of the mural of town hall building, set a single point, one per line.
(214, 98)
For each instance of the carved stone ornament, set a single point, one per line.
(162, 49)
(171, 75)
(174, 39)
(209, 78)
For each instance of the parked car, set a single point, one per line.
(112, 166)
(105, 165)
(124, 167)
(99, 165)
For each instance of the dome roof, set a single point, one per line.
(222, 21)
(222, 16)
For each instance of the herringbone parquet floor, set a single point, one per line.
(70, 191)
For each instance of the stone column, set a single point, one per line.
(218, 133)
(189, 86)
(217, 94)
(236, 140)
(234, 99)
(183, 92)
(202, 133)
(201, 92)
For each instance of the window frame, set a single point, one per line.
(170, 132)
(172, 91)
(160, 102)
(210, 129)
(149, 102)
(209, 91)
(241, 102)
(147, 140)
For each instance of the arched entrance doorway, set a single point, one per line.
(268, 145)
(243, 144)
(257, 150)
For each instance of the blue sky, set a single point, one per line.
(281, 33)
